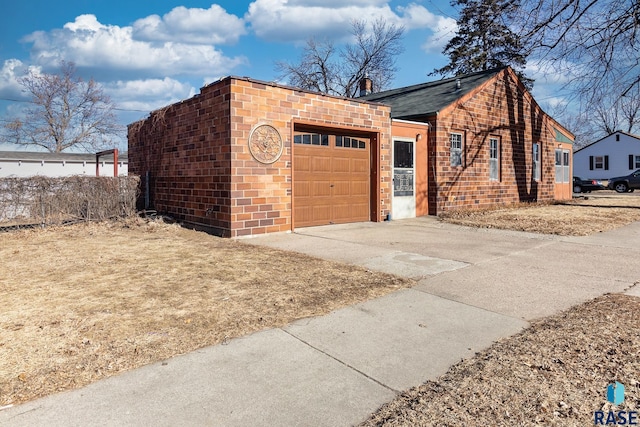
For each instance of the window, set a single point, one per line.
(348, 142)
(402, 154)
(558, 165)
(562, 165)
(311, 139)
(535, 164)
(456, 149)
(494, 159)
(402, 168)
(598, 162)
(637, 163)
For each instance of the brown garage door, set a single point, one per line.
(331, 179)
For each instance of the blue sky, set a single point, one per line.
(148, 54)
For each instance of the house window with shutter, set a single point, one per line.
(634, 162)
(599, 162)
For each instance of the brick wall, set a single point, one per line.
(186, 149)
(502, 109)
(203, 173)
(261, 194)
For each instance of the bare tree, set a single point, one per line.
(612, 114)
(605, 114)
(327, 69)
(65, 112)
(594, 44)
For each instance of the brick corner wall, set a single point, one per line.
(185, 150)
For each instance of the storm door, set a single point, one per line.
(404, 197)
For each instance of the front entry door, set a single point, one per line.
(404, 191)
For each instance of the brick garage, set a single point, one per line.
(197, 164)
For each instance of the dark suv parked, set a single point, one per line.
(623, 184)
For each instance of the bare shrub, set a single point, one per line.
(48, 201)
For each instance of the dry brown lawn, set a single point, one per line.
(81, 303)
(554, 373)
(591, 213)
(84, 302)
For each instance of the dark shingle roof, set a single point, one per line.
(429, 98)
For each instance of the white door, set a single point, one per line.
(404, 189)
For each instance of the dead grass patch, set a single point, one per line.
(554, 373)
(84, 302)
(582, 216)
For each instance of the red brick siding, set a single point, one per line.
(201, 166)
(500, 109)
(262, 199)
(186, 148)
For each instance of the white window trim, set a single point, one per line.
(562, 168)
(454, 150)
(535, 162)
(595, 162)
(495, 160)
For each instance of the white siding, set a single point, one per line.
(57, 168)
(617, 152)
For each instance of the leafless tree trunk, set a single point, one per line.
(326, 69)
(594, 44)
(65, 112)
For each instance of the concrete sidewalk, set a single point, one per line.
(474, 287)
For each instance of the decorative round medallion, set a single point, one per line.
(265, 144)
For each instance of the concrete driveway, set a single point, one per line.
(522, 275)
(474, 287)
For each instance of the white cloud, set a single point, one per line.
(12, 70)
(149, 94)
(416, 17)
(191, 26)
(557, 73)
(337, 3)
(295, 21)
(89, 43)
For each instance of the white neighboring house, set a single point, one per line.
(29, 163)
(615, 155)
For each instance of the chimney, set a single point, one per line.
(366, 85)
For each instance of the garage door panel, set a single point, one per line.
(360, 166)
(321, 165)
(342, 189)
(303, 163)
(343, 213)
(359, 189)
(302, 188)
(303, 213)
(341, 165)
(331, 184)
(321, 189)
